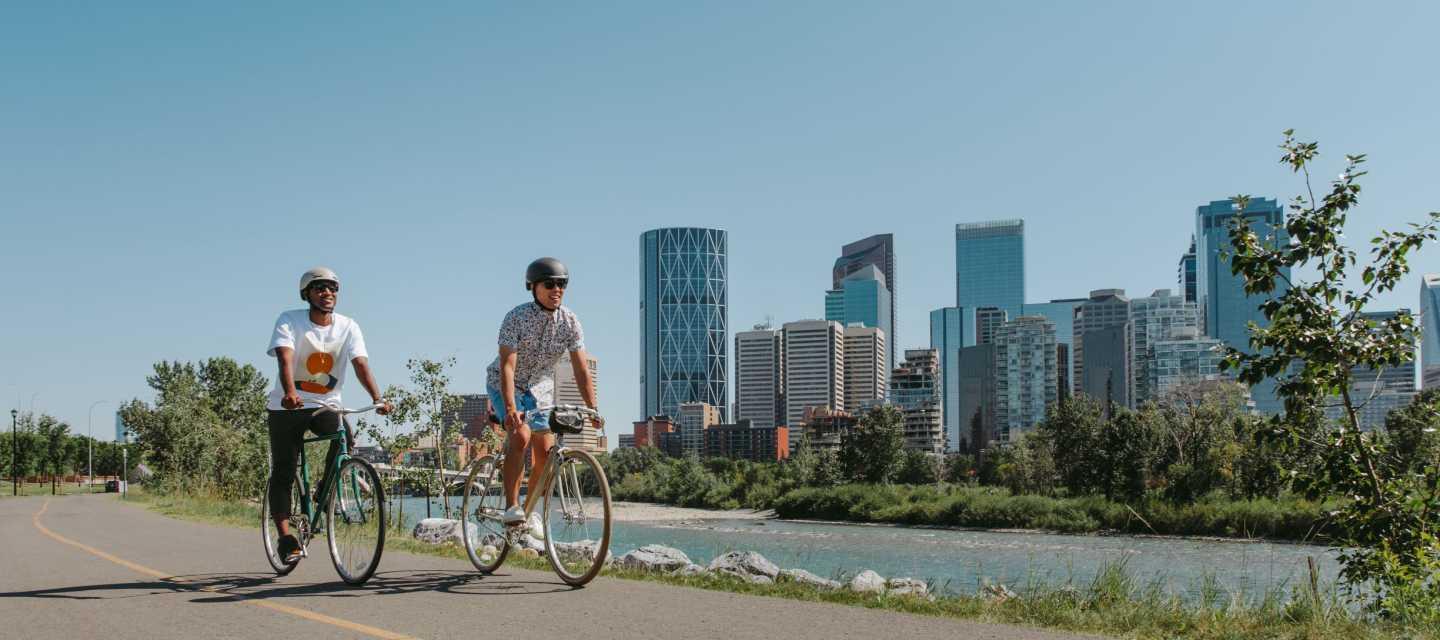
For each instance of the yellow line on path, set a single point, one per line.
(247, 599)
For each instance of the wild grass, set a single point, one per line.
(1115, 602)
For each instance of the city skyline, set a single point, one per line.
(163, 188)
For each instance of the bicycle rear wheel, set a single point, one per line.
(356, 521)
(270, 535)
(480, 512)
(577, 517)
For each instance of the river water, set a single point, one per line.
(960, 561)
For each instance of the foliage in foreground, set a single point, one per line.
(1317, 341)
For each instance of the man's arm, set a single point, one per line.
(362, 371)
(290, 399)
(580, 363)
(507, 386)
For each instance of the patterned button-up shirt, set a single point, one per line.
(540, 338)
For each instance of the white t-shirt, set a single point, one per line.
(320, 356)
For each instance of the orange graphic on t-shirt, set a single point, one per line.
(319, 364)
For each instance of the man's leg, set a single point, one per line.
(284, 457)
(324, 425)
(515, 464)
(538, 455)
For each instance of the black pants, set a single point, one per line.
(287, 430)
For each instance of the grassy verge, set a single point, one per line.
(1114, 603)
(962, 506)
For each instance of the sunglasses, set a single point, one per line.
(325, 286)
(555, 283)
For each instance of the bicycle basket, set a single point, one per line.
(564, 421)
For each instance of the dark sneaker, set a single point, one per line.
(289, 549)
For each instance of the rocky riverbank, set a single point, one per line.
(747, 566)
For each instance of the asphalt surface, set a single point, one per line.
(91, 566)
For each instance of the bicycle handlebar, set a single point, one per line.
(336, 408)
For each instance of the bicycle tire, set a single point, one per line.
(270, 535)
(355, 520)
(484, 488)
(570, 518)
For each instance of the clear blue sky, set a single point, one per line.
(166, 173)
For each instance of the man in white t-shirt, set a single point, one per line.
(311, 346)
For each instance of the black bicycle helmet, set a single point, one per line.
(545, 269)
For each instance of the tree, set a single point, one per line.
(433, 413)
(206, 430)
(870, 451)
(918, 467)
(1315, 337)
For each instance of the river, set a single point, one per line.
(959, 561)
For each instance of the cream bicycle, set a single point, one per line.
(575, 507)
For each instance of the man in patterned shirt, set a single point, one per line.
(521, 381)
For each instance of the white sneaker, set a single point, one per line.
(513, 516)
(537, 528)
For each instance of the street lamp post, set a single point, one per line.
(90, 431)
(14, 452)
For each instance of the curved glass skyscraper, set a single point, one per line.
(684, 314)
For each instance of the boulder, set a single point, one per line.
(529, 553)
(997, 593)
(531, 542)
(436, 531)
(582, 550)
(688, 570)
(743, 564)
(805, 577)
(757, 579)
(907, 587)
(654, 557)
(867, 581)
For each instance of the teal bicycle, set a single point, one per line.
(350, 510)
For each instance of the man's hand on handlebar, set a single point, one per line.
(291, 401)
(385, 407)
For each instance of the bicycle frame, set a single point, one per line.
(547, 475)
(313, 508)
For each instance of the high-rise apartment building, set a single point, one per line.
(1184, 357)
(1186, 275)
(1060, 313)
(990, 265)
(1153, 319)
(814, 367)
(987, 322)
(915, 390)
(567, 391)
(879, 251)
(862, 299)
(1026, 380)
(760, 377)
(684, 319)
(951, 329)
(866, 373)
(1224, 306)
(1430, 330)
(1105, 308)
(695, 418)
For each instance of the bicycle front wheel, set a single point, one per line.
(577, 517)
(270, 535)
(483, 533)
(356, 519)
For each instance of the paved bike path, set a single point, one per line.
(92, 566)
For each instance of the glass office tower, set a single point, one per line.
(684, 313)
(990, 265)
(1224, 305)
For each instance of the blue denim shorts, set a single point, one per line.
(539, 421)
